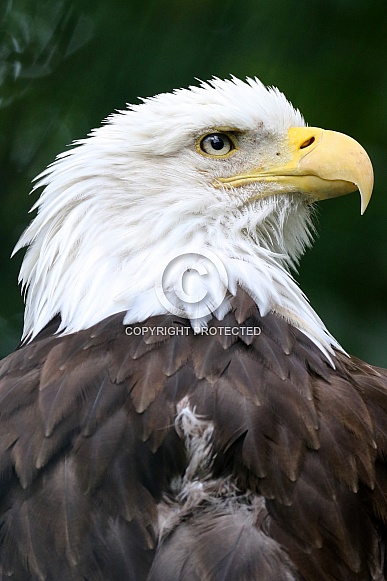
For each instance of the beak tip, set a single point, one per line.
(365, 200)
(366, 193)
(364, 205)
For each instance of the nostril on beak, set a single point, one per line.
(307, 142)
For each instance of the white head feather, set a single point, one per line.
(136, 192)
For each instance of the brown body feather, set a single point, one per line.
(98, 481)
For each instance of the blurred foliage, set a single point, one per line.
(65, 65)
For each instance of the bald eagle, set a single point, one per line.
(177, 410)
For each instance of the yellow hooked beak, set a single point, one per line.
(324, 164)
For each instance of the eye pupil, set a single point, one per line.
(216, 144)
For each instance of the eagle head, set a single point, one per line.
(175, 202)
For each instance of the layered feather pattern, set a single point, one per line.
(103, 484)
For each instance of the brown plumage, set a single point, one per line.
(98, 478)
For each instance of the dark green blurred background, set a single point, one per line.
(65, 65)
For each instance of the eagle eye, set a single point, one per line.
(216, 144)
